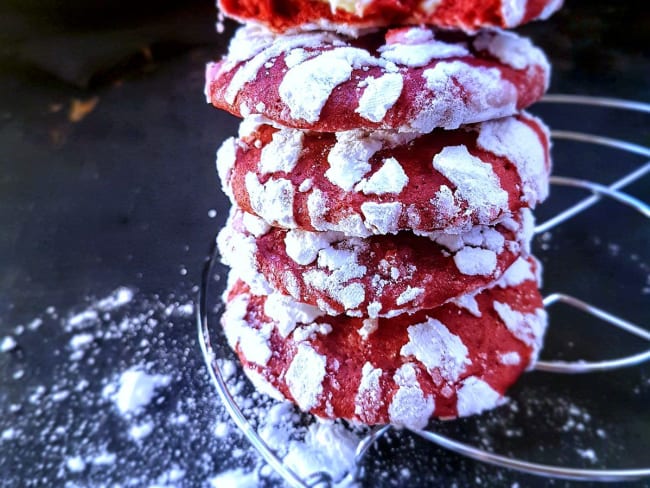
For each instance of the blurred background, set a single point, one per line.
(90, 43)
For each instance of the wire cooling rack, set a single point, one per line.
(598, 193)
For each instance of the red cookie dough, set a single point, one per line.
(348, 15)
(452, 361)
(410, 79)
(444, 180)
(379, 276)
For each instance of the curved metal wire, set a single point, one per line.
(533, 468)
(222, 388)
(572, 367)
(602, 190)
(596, 101)
(322, 479)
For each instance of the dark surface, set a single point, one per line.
(121, 198)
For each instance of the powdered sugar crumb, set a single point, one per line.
(135, 389)
(8, 343)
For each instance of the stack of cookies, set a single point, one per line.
(382, 184)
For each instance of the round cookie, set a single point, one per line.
(379, 276)
(444, 180)
(452, 361)
(350, 16)
(410, 79)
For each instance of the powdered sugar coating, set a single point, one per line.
(282, 153)
(305, 376)
(390, 178)
(458, 84)
(527, 327)
(417, 47)
(410, 406)
(306, 87)
(369, 398)
(475, 261)
(226, 157)
(466, 96)
(514, 139)
(476, 396)
(443, 180)
(380, 94)
(477, 186)
(288, 313)
(435, 347)
(352, 16)
(378, 276)
(511, 49)
(349, 159)
(382, 218)
(273, 200)
(442, 362)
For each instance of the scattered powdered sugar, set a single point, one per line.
(135, 389)
(236, 478)
(588, 454)
(75, 464)
(8, 343)
(117, 299)
(100, 419)
(179, 437)
(330, 445)
(140, 431)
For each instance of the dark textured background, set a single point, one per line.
(122, 198)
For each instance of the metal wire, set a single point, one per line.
(220, 383)
(596, 101)
(323, 480)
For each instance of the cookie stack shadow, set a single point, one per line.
(382, 184)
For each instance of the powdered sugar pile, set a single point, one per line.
(125, 401)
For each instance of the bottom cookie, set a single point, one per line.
(451, 361)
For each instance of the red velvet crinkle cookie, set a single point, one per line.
(351, 15)
(452, 361)
(379, 276)
(351, 181)
(410, 79)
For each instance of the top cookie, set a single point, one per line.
(410, 79)
(351, 15)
